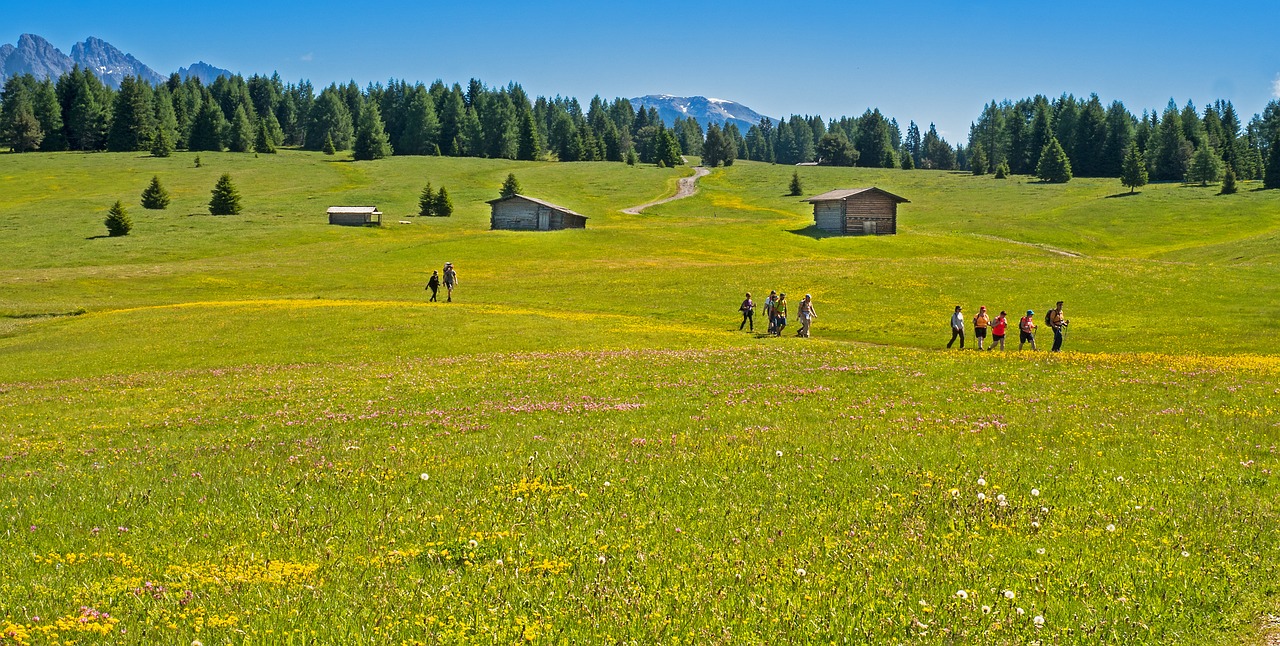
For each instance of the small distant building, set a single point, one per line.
(857, 211)
(355, 216)
(523, 213)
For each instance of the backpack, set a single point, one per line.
(1048, 318)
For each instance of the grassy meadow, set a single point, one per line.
(255, 429)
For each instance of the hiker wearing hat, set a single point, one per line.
(980, 324)
(768, 309)
(807, 314)
(1059, 325)
(998, 328)
(1027, 329)
(450, 280)
(780, 312)
(957, 328)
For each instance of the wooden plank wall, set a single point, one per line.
(871, 206)
(827, 216)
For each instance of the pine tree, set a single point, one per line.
(328, 146)
(1133, 172)
(155, 197)
(240, 136)
(1271, 179)
(978, 159)
(1002, 170)
(511, 186)
(226, 199)
(712, 146)
(1229, 183)
(19, 127)
(796, 187)
(208, 127)
(329, 120)
(908, 162)
(427, 202)
(162, 145)
(132, 117)
(1054, 166)
(197, 161)
(264, 143)
(118, 222)
(1206, 166)
(443, 206)
(631, 157)
(371, 139)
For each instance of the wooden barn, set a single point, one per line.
(523, 213)
(355, 216)
(857, 211)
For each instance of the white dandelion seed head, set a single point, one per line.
(1000, 497)
(425, 477)
(1111, 527)
(982, 482)
(1119, 478)
(498, 563)
(778, 453)
(1040, 551)
(1035, 524)
(962, 594)
(800, 571)
(1038, 620)
(1185, 554)
(986, 610)
(473, 543)
(602, 559)
(1044, 510)
(519, 498)
(982, 496)
(607, 484)
(1035, 492)
(1008, 594)
(1021, 611)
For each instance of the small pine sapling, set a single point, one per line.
(443, 205)
(796, 187)
(154, 196)
(511, 186)
(226, 199)
(1229, 182)
(427, 202)
(118, 222)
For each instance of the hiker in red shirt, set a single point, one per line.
(998, 328)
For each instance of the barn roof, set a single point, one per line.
(846, 193)
(354, 210)
(537, 201)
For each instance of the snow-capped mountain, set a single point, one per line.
(110, 64)
(38, 57)
(705, 110)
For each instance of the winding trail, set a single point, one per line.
(685, 187)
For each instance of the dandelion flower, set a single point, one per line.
(1040, 551)
(986, 610)
(1044, 510)
(473, 543)
(1111, 527)
(954, 493)
(1185, 554)
(1035, 524)
(498, 563)
(519, 498)
(982, 482)
(800, 571)
(425, 477)
(1035, 492)
(197, 642)
(1021, 611)
(602, 559)
(606, 483)
(962, 594)
(1038, 620)
(982, 496)
(1000, 497)
(1119, 478)
(778, 453)
(1008, 594)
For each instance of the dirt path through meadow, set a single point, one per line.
(685, 187)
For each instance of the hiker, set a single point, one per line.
(450, 280)
(1059, 325)
(957, 328)
(980, 324)
(748, 309)
(780, 311)
(998, 328)
(768, 309)
(434, 285)
(1027, 331)
(807, 314)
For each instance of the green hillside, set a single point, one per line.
(262, 415)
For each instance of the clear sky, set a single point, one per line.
(928, 61)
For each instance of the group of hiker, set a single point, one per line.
(982, 322)
(450, 281)
(775, 309)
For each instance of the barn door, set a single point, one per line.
(869, 227)
(544, 219)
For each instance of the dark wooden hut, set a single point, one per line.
(857, 211)
(523, 213)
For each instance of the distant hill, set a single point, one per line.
(37, 56)
(701, 108)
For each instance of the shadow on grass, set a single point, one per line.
(98, 237)
(339, 161)
(812, 231)
(1125, 194)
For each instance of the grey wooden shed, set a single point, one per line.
(857, 211)
(355, 216)
(524, 213)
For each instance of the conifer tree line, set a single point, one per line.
(1177, 144)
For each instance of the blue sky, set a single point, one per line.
(927, 61)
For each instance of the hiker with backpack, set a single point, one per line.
(998, 328)
(769, 315)
(807, 314)
(980, 324)
(434, 285)
(748, 309)
(450, 280)
(780, 311)
(957, 328)
(1058, 323)
(1027, 329)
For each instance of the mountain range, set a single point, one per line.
(701, 108)
(37, 56)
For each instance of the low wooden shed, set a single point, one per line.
(857, 211)
(355, 216)
(524, 213)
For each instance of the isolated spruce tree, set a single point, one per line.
(1002, 170)
(631, 157)
(155, 197)
(1054, 166)
(427, 202)
(264, 143)
(226, 199)
(118, 222)
(197, 161)
(908, 162)
(1229, 182)
(1133, 172)
(1271, 178)
(1206, 166)
(371, 137)
(328, 148)
(796, 187)
(443, 206)
(240, 136)
(978, 160)
(511, 186)
(161, 145)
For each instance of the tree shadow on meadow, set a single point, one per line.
(1124, 194)
(98, 237)
(812, 231)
